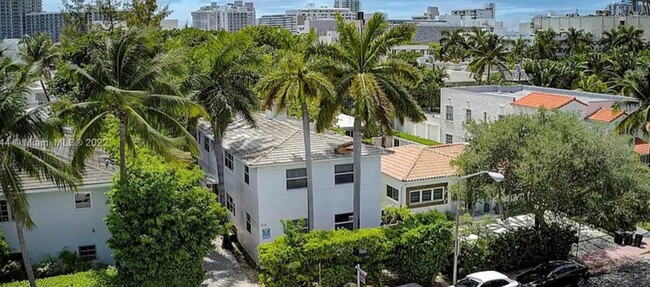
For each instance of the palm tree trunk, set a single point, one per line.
(25, 253)
(356, 140)
(218, 154)
(47, 97)
(122, 149)
(310, 179)
(488, 77)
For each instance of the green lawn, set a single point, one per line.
(645, 225)
(414, 138)
(102, 278)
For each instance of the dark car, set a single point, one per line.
(556, 274)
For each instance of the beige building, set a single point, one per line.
(231, 17)
(596, 25)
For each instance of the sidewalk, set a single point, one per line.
(226, 268)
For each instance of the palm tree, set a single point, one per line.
(127, 82)
(545, 45)
(590, 83)
(630, 38)
(636, 84)
(450, 39)
(224, 88)
(574, 41)
(373, 85)
(41, 52)
(520, 47)
(17, 124)
(488, 51)
(295, 80)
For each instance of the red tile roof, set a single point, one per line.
(606, 115)
(415, 162)
(641, 147)
(546, 101)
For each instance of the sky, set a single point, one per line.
(510, 12)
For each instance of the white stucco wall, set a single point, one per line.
(403, 186)
(59, 226)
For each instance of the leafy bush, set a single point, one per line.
(515, 250)
(394, 215)
(416, 139)
(100, 278)
(294, 259)
(48, 267)
(162, 225)
(421, 246)
(12, 270)
(71, 262)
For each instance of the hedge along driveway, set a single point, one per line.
(102, 278)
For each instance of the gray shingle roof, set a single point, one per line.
(281, 141)
(97, 171)
(432, 34)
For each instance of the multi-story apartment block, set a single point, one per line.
(488, 12)
(490, 103)
(353, 5)
(231, 17)
(594, 24)
(265, 178)
(12, 14)
(287, 21)
(52, 23)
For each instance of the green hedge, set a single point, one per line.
(102, 278)
(515, 250)
(416, 139)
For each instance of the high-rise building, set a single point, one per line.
(12, 14)
(488, 12)
(231, 17)
(353, 5)
(287, 21)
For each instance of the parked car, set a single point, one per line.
(556, 274)
(486, 279)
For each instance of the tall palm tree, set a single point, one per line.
(573, 40)
(545, 45)
(520, 47)
(224, 87)
(295, 80)
(451, 38)
(41, 52)
(636, 84)
(127, 82)
(488, 51)
(17, 124)
(374, 86)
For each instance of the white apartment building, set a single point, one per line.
(593, 24)
(491, 103)
(231, 17)
(487, 12)
(65, 220)
(265, 178)
(287, 21)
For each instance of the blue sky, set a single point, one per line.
(509, 11)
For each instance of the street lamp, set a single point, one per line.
(497, 177)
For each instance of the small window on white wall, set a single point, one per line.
(4, 211)
(82, 200)
(88, 252)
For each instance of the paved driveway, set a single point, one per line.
(228, 269)
(637, 274)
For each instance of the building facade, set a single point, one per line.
(353, 5)
(488, 12)
(287, 21)
(12, 15)
(491, 103)
(231, 17)
(265, 178)
(594, 24)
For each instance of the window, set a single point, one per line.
(4, 211)
(247, 177)
(343, 221)
(496, 283)
(395, 142)
(230, 204)
(449, 139)
(296, 178)
(427, 195)
(206, 144)
(343, 173)
(88, 252)
(229, 160)
(392, 192)
(450, 113)
(468, 115)
(248, 222)
(485, 117)
(82, 200)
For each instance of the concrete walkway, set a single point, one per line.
(227, 268)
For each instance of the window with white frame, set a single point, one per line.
(4, 211)
(230, 204)
(344, 220)
(247, 177)
(427, 195)
(449, 138)
(229, 161)
(88, 252)
(392, 192)
(343, 173)
(248, 223)
(450, 113)
(296, 178)
(468, 115)
(82, 200)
